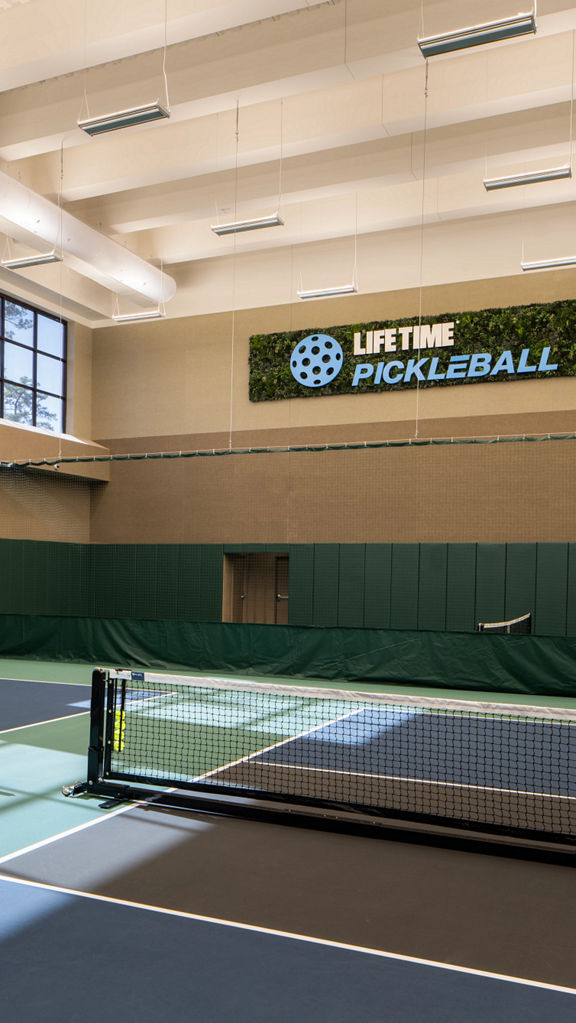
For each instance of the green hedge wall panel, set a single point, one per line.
(432, 583)
(551, 589)
(515, 664)
(404, 590)
(351, 585)
(461, 587)
(520, 579)
(326, 561)
(377, 585)
(490, 582)
(301, 603)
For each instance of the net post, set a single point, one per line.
(97, 711)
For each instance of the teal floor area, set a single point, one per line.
(35, 762)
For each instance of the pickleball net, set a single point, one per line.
(489, 767)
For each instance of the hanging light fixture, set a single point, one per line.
(326, 293)
(529, 178)
(151, 314)
(23, 262)
(123, 118)
(132, 116)
(549, 264)
(477, 35)
(237, 226)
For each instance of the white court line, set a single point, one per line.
(48, 721)
(46, 682)
(65, 834)
(272, 932)
(415, 781)
(275, 745)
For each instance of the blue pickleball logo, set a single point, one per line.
(316, 360)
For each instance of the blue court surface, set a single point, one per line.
(66, 956)
(25, 703)
(466, 750)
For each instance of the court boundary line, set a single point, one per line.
(45, 682)
(66, 834)
(273, 932)
(416, 781)
(281, 742)
(48, 721)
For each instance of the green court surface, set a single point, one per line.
(45, 671)
(81, 673)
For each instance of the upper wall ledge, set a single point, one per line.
(20, 443)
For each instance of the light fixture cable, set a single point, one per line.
(234, 244)
(164, 73)
(421, 252)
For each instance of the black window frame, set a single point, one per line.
(34, 389)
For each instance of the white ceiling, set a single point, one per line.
(316, 109)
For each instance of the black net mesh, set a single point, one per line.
(472, 764)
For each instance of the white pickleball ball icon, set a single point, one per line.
(316, 360)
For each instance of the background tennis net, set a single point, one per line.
(484, 766)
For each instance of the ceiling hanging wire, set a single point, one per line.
(346, 64)
(10, 262)
(233, 302)
(131, 116)
(236, 226)
(421, 246)
(332, 291)
(338, 289)
(559, 262)
(146, 314)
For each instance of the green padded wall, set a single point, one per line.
(432, 586)
(351, 585)
(377, 585)
(461, 587)
(571, 592)
(301, 603)
(404, 595)
(325, 584)
(551, 589)
(520, 579)
(428, 587)
(490, 582)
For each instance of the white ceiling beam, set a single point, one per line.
(458, 250)
(287, 57)
(349, 114)
(491, 147)
(41, 41)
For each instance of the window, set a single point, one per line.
(32, 367)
